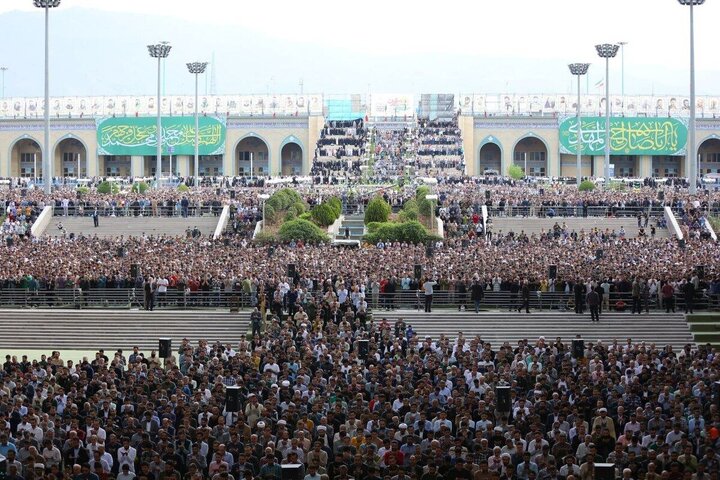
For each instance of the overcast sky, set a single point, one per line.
(508, 46)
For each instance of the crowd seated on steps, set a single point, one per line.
(340, 148)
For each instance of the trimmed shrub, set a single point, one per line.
(82, 190)
(142, 187)
(290, 216)
(336, 206)
(303, 230)
(183, 188)
(264, 237)
(409, 232)
(269, 213)
(323, 214)
(108, 187)
(377, 210)
(306, 216)
(516, 172)
(586, 186)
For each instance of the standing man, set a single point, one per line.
(636, 290)
(525, 295)
(689, 293)
(668, 292)
(476, 292)
(256, 321)
(428, 286)
(579, 291)
(96, 219)
(593, 301)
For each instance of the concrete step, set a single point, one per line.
(536, 225)
(499, 327)
(112, 227)
(113, 329)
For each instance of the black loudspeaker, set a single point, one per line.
(661, 194)
(487, 194)
(232, 399)
(232, 193)
(226, 241)
(681, 243)
(134, 270)
(599, 254)
(121, 252)
(291, 471)
(465, 243)
(503, 399)
(552, 272)
(418, 271)
(165, 347)
(604, 471)
(291, 270)
(218, 192)
(578, 348)
(700, 271)
(429, 250)
(363, 348)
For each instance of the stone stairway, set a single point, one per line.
(536, 225)
(356, 226)
(111, 227)
(499, 327)
(113, 329)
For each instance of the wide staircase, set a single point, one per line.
(499, 327)
(112, 227)
(355, 225)
(113, 329)
(536, 225)
(705, 328)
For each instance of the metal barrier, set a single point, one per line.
(120, 298)
(176, 210)
(572, 211)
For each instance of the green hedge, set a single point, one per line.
(586, 186)
(409, 232)
(108, 187)
(183, 188)
(141, 187)
(303, 230)
(377, 210)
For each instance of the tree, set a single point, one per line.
(303, 230)
(377, 210)
(183, 188)
(516, 172)
(82, 190)
(108, 187)
(140, 187)
(323, 214)
(586, 186)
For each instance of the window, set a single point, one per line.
(28, 157)
(70, 157)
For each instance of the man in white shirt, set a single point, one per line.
(428, 287)
(126, 455)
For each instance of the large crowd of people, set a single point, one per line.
(439, 148)
(332, 395)
(328, 389)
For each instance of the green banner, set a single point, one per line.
(138, 136)
(628, 136)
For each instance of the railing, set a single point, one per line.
(175, 210)
(121, 298)
(572, 211)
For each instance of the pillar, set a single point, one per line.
(137, 166)
(645, 166)
(185, 165)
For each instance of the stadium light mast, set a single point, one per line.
(46, 160)
(691, 160)
(159, 50)
(622, 72)
(607, 51)
(196, 68)
(579, 69)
